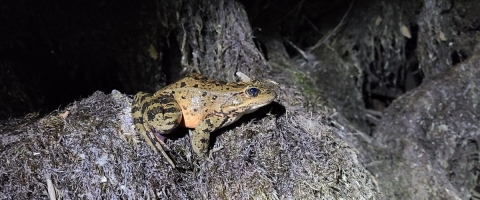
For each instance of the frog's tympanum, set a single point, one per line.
(199, 103)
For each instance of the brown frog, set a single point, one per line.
(199, 103)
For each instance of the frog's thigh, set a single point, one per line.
(200, 138)
(137, 113)
(161, 114)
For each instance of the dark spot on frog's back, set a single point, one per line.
(204, 94)
(195, 86)
(183, 97)
(209, 123)
(183, 84)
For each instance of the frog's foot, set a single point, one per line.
(161, 139)
(159, 144)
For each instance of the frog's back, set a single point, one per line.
(199, 83)
(198, 97)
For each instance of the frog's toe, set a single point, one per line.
(161, 139)
(200, 151)
(202, 154)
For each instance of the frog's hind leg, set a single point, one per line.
(159, 144)
(159, 114)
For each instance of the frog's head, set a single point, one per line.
(249, 97)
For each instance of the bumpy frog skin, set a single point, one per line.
(199, 103)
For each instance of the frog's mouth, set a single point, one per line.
(263, 102)
(256, 107)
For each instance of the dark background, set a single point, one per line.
(55, 52)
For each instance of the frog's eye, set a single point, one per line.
(253, 92)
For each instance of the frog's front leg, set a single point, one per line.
(155, 115)
(200, 138)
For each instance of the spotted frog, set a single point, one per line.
(199, 103)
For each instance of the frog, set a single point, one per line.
(199, 103)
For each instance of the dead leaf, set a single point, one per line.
(405, 31)
(243, 77)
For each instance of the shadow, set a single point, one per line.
(183, 165)
(274, 109)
